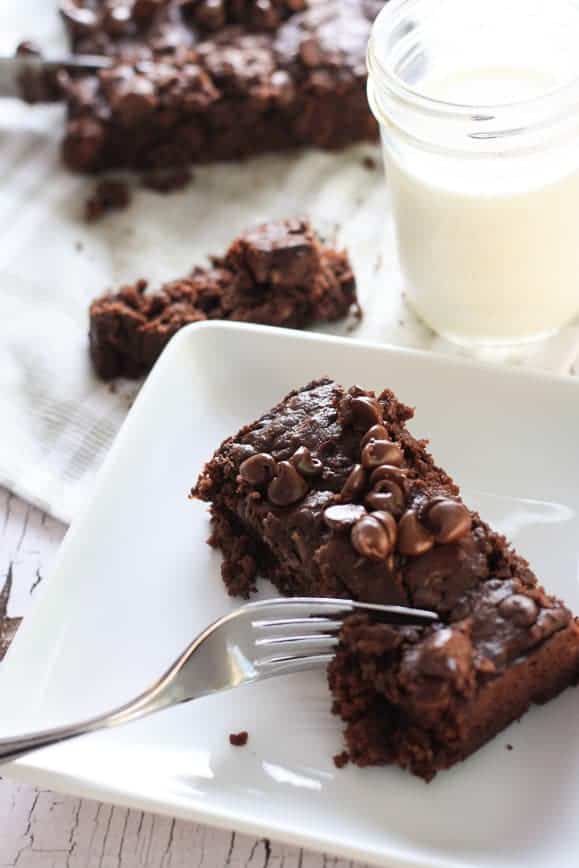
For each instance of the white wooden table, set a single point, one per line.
(40, 829)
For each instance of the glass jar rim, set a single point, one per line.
(486, 121)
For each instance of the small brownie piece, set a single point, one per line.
(238, 739)
(108, 195)
(328, 494)
(277, 274)
(178, 94)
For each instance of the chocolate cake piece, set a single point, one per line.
(177, 95)
(108, 22)
(277, 274)
(328, 494)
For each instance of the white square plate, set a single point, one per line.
(135, 581)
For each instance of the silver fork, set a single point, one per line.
(260, 640)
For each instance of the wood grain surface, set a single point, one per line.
(41, 829)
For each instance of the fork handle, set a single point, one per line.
(147, 703)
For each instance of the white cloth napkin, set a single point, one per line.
(57, 420)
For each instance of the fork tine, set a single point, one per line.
(303, 606)
(311, 607)
(315, 638)
(299, 623)
(291, 663)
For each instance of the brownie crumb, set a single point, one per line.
(369, 163)
(238, 739)
(341, 759)
(167, 180)
(509, 747)
(107, 196)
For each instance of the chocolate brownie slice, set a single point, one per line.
(176, 94)
(328, 494)
(277, 274)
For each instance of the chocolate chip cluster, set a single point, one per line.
(114, 17)
(383, 522)
(258, 14)
(284, 481)
(373, 505)
(134, 92)
(121, 18)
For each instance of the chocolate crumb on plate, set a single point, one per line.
(238, 739)
(108, 195)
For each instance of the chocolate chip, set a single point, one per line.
(413, 538)
(258, 469)
(386, 495)
(134, 100)
(366, 412)
(81, 20)
(283, 84)
(389, 524)
(377, 500)
(343, 516)
(362, 412)
(389, 471)
(117, 20)
(371, 539)
(303, 461)
(519, 609)
(354, 484)
(287, 486)
(211, 14)
(266, 15)
(242, 451)
(379, 452)
(143, 10)
(310, 52)
(445, 654)
(548, 622)
(448, 519)
(376, 432)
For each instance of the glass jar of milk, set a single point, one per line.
(478, 105)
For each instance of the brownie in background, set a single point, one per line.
(276, 274)
(195, 82)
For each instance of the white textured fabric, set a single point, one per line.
(57, 420)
